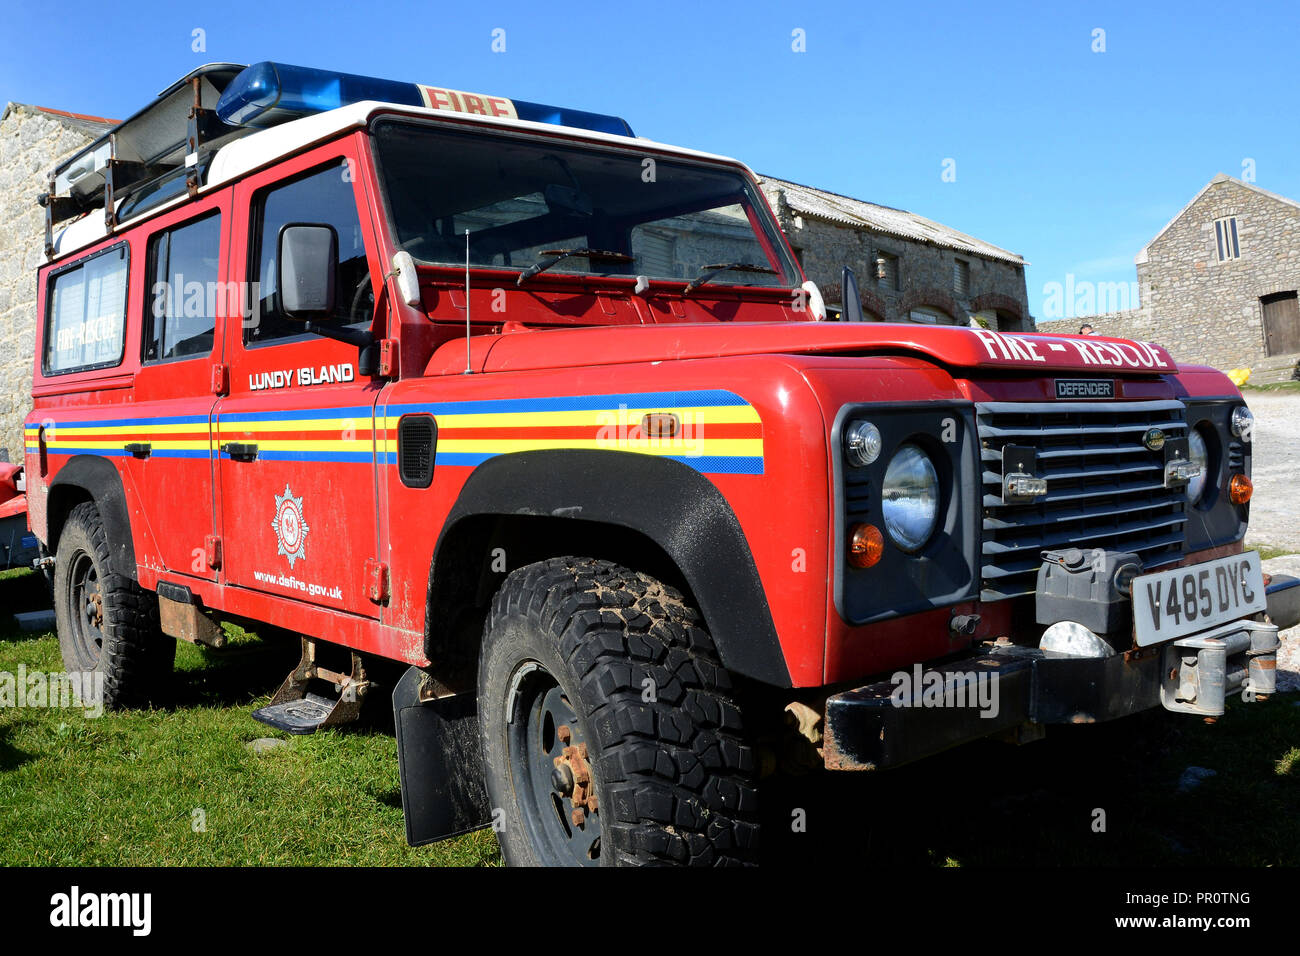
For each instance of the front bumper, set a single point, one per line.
(1006, 687)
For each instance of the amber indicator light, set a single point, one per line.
(1240, 489)
(866, 545)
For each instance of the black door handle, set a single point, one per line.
(138, 449)
(240, 451)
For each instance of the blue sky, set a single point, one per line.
(1070, 157)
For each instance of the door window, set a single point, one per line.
(185, 292)
(325, 197)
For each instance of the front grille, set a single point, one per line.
(1104, 488)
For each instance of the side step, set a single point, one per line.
(298, 708)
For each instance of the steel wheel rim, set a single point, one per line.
(86, 598)
(537, 709)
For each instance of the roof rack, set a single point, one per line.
(145, 154)
(180, 128)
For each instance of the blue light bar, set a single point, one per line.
(266, 94)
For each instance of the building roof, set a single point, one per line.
(859, 214)
(1141, 257)
(91, 124)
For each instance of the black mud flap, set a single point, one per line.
(440, 762)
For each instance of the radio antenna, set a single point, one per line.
(469, 365)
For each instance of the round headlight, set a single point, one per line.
(1198, 454)
(910, 497)
(1243, 422)
(862, 443)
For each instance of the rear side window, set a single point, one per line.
(85, 321)
(321, 197)
(185, 291)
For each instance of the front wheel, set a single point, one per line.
(611, 734)
(107, 624)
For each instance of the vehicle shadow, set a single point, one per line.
(232, 676)
(253, 668)
(11, 758)
(22, 591)
(1098, 795)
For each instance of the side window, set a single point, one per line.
(85, 320)
(185, 290)
(321, 197)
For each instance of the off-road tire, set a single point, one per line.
(673, 776)
(134, 657)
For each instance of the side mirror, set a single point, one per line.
(852, 304)
(308, 254)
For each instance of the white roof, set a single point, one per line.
(266, 146)
(1141, 257)
(859, 214)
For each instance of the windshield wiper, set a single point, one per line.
(555, 256)
(708, 272)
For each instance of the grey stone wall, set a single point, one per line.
(1193, 343)
(31, 142)
(925, 273)
(1137, 324)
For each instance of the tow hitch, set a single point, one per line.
(1202, 670)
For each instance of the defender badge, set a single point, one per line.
(290, 529)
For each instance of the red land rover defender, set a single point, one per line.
(549, 413)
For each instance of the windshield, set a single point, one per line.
(522, 199)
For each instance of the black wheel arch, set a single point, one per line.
(655, 514)
(96, 479)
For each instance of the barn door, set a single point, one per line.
(1281, 323)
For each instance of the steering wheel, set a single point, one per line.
(365, 291)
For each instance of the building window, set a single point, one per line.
(887, 276)
(928, 316)
(655, 251)
(960, 276)
(1225, 238)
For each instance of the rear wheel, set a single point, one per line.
(107, 624)
(611, 735)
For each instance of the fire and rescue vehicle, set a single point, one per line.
(18, 546)
(549, 413)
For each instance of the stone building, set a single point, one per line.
(32, 141)
(1218, 284)
(909, 269)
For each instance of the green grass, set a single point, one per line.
(1272, 387)
(121, 789)
(1267, 551)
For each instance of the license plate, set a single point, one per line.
(1182, 601)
